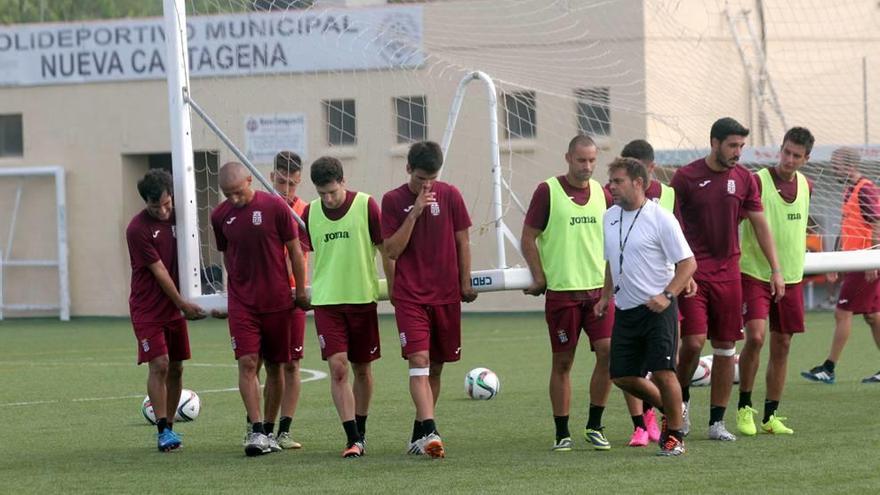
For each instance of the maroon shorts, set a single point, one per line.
(715, 311)
(435, 328)
(158, 339)
(786, 316)
(349, 328)
(858, 295)
(297, 334)
(567, 316)
(266, 334)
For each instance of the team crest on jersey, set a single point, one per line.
(145, 345)
(731, 186)
(435, 209)
(257, 218)
(402, 339)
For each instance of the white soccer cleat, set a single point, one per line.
(273, 443)
(257, 444)
(717, 431)
(415, 448)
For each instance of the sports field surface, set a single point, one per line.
(70, 414)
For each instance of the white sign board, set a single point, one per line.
(274, 42)
(266, 135)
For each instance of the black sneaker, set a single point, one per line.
(819, 374)
(671, 447)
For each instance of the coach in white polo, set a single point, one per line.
(648, 263)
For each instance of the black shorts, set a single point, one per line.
(643, 341)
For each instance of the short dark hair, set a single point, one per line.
(154, 183)
(288, 161)
(325, 170)
(425, 155)
(800, 136)
(727, 126)
(638, 149)
(634, 168)
(580, 140)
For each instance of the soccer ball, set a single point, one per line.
(481, 384)
(187, 409)
(703, 373)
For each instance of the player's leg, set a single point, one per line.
(563, 324)
(599, 332)
(414, 329)
(434, 379)
(756, 309)
(272, 391)
(694, 327)
(635, 407)
(873, 320)
(173, 389)
(777, 366)
(725, 328)
(157, 379)
(177, 341)
(292, 381)
(343, 399)
(257, 442)
(364, 348)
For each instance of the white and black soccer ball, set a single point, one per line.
(188, 408)
(703, 373)
(481, 384)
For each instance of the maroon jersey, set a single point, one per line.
(711, 205)
(252, 238)
(538, 213)
(787, 189)
(334, 215)
(427, 270)
(151, 240)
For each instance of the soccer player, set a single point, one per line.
(155, 303)
(648, 264)
(285, 178)
(645, 427)
(860, 291)
(252, 228)
(425, 229)
(713, 194)
(562, 243)
(344, 232)
(785, 195)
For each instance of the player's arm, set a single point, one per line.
(768, 247)
(463, 246)
(397, 242)
(684, 271)
(529, 247)
(191, 311)
(298, 267)
(607, 291)
(388, 268)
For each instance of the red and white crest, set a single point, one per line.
(258, 218)
(731, 186)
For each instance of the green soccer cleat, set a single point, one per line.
(287, 442)
(745, 421)
(597, 439)
(775, 427)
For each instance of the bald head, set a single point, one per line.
(235, 182)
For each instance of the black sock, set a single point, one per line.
(257, 428)
(745, 399)
(268, 427)
(716, 414)
(171, 426)
(646, 407)
(685, 394)
(428, 427)
(594, 421)
(677, 434)
(351, 432)
(638, 422)
(284, 424)
(828, 365)
(362, 424)
(417, 430)
(161, 424)
(561, 427)
(770, 407)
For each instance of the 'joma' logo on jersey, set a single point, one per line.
(577, 220)
(794, 216)
(332, 236)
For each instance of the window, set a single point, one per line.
(412, 119)
(593, 111)
(341, 122)
(519, 108)
(11, 136)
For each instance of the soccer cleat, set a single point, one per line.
(562, 445)
(639, 437)
(273, 443)
(415, 448)
(775, 427)
(432, 446)
(671, 447)
(597, 439)
(257, 444)
(717, 431)
(287, 442)
(686, 419)
(664, 430)
(745, 421)
(819, 374)
(168, 441)
(651, 425)
(875, 378)
(354, 450)
(247, 431)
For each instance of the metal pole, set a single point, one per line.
(61, 220)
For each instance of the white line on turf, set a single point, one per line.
(315, 375)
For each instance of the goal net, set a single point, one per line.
(360, 80)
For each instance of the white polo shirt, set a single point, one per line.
(651, 248)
